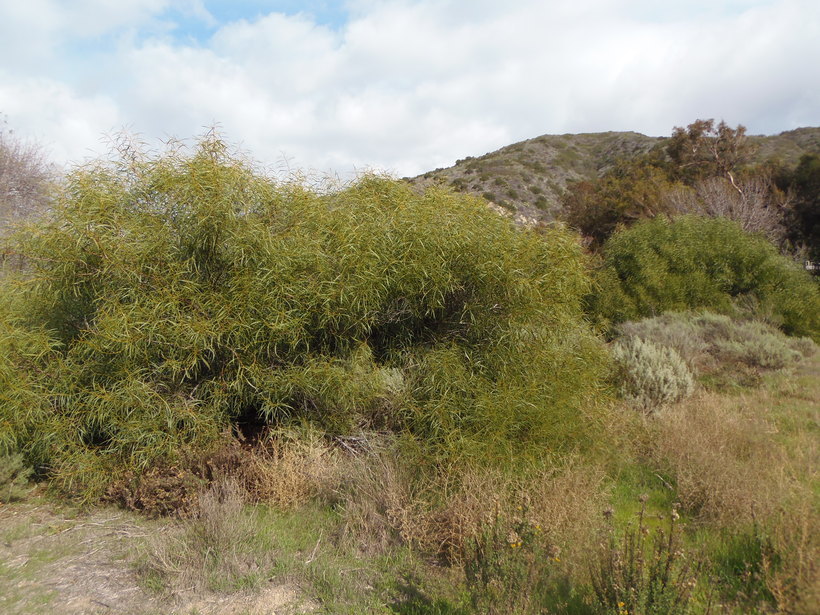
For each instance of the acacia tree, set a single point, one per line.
(170, 298)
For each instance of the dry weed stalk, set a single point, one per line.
(646, 571)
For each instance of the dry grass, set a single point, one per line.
(564, 502)
(794, 580)
(219, 548)
(385, 506)
(752, 460)
(726, 465)
(382, 505)
(287, 471)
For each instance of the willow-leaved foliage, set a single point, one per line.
(169, 296)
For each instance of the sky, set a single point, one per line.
(402, 86)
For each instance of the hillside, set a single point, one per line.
(528, 178)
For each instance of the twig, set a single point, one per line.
(665, 484)
(313, 554)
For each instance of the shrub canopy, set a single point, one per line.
(168, 298)
(663, 265)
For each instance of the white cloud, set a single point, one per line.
(69, 126)
(412, 85)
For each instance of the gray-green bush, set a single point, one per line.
(651, 376)
(14, 475)
(169, 298)
(713, 344)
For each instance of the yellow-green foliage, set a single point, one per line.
(170, 296)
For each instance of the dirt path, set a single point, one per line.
(58, 560)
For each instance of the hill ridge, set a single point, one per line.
(526, 179)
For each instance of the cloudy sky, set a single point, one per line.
(399, 85)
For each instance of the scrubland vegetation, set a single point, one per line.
(398, 401)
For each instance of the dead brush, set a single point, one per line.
(385, 504)
(284, 470)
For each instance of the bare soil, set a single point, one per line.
(60, 560)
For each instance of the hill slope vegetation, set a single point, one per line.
(530, 177)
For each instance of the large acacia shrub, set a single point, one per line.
(663, 265)
(170, 297)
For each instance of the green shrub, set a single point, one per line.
(168, 298)
(651, 376)
(710, 263)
